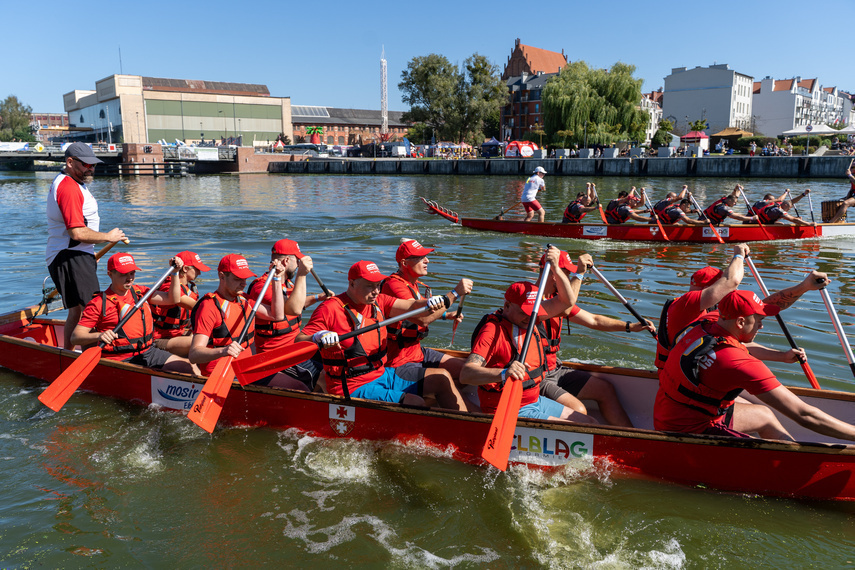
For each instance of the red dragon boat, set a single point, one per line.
(818, 467)
(736, 233)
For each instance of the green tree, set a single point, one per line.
(698, 125)
(455, 102)
(663, 133)
(15, 120)
(602, 104)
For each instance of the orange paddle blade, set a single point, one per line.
(209, 403)
(810, 375)
(602, 214)
(254, 368)
(497, 448)
(60, 390)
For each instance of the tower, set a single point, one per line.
(384, 111)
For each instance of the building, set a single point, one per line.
(784, 104)
(716, 93)
(654, 112)
(526, 73)
(135, 109)
(47, 126)
(345, 126)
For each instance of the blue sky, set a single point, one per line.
(328, 52)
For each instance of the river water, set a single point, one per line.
(107, 484)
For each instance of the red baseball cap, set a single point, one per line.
(367, 270)
(563, 262)
(411, 248)
(706, 276)
(524, 294)
(288, 247)
(192, 260)
(122, 262)
(745, 304)
(237, 265)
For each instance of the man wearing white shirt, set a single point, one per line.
(529, 202)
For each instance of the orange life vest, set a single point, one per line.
(405, 333)
(174, 317)
(360, 357)
(221, 335)
(137, 333)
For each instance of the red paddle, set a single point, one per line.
(210, 401)
(254, 368)
(60, 390)
(712, 227)
(654, 214)
(497, 448)
(599, 205)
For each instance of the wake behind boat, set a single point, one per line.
(822, 469)
(735, 233)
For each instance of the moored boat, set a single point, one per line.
(821, 468)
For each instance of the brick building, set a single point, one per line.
(345, 126)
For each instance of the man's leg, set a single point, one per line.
(71, 321)
(603, 392)
(757, 418)
(541, 214)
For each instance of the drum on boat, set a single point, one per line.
(829, 208)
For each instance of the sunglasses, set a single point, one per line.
(85, 165)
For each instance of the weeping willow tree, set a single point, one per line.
(604, 105)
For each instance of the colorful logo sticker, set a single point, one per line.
(723, 231)
(174, 394)
(595, 231)
(545, 447)
(342, 419)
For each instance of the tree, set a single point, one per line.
(698, 125)
(455, 102)
(604, 105)
(15, 120)
(663, 133)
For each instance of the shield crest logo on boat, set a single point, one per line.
(342, 419)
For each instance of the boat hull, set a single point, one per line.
(651, 232)
(811, 470)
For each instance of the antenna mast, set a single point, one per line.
(384, 110)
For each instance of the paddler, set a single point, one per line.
(567, 385)
(673, 209)
(219, 317)
(534, 184)
(273, 334)
(578, 208)
(135, 342)
(498, 339)
(356, 367)
(172, 322)
(849, 199)
(711, 365)
(407, 356)
(776, 210)
(721, 209)
(621, 209)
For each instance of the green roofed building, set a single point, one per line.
(135, 109)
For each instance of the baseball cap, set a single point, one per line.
(367, 270)
(540, 169)
(82, 152)
(237, 265)
(563, 261)
(411, 248)
(122, 262)
(192, 260)
(288, 247)
(524, 293)
(706, 276)
(745, 304)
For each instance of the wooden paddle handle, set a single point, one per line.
(98, 256)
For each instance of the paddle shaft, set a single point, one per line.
(810, 203)
(790, 196)
(753, 213)
(503, 212)
(621, 298)
(387, 322)
(805, 366)
(138, 305)
(654, 214)
(838, 328)
(321, 283)
(456, 317)
(704, 215)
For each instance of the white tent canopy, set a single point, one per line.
(815, 130)
(848, 130)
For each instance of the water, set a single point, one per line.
(105, 483)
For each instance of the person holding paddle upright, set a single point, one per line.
(172, 322)
(73, 229)
(134, 343)
(578, 208)
(407, 356)
(533, 185)
(717, 212)
(621, 209)
(849, 199)
(219, 317)
(356, 367)
(498, 338)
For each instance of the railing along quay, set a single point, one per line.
(143, 169)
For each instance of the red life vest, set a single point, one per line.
(664, 345)
(405, 333)
(221, 334)
(360, 358)
(550, 335)
(574, 212)
(271, 329)
(614, 213)
(714, 213)
(764, 213)
(680, 379)
(137, 334)
(174, 319)
(535, 361)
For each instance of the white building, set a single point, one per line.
(715, 93)
(784, 104)
(654, 113)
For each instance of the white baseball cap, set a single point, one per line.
(540, 169)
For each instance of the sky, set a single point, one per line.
(328, 52)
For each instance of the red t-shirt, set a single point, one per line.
(331, 316)
(493, 344)
(552, 357)
(91, 316)
(731, 368)
(208, 317)
(397, 356)
(267, 343)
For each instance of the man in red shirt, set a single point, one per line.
(407, 356)
(219, 317)
(73, 224)
(135, 342)
(498, 339)
(172, 322)
(357, 366)
(711, 365)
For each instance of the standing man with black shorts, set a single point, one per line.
(73, 223)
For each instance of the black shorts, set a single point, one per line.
(415, 371)
(75, 274)
(562, 381)
(151, 358)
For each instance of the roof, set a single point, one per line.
(316, 115)
(540, 59)
(782, 85)
(807, 84)
(733, 132)
(756, 88)
(199, 86)
(655, 96)
(530, 82)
